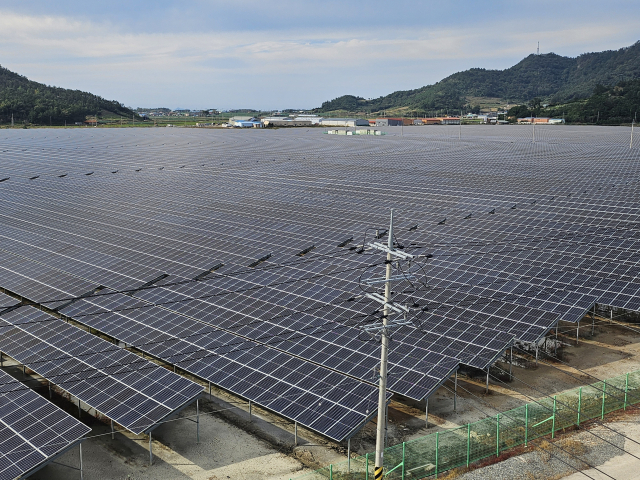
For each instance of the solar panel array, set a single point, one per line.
(33, 431)
(522, 234)
(126, 388)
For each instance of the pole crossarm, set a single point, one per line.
(398, 308)
(393, 278)
(391, 251)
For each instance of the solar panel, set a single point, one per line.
(33, 431)
(132, 391)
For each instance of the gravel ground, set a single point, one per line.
(551, 462)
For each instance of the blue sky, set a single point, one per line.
(289, 54)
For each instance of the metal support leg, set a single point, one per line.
(174, 369)
(577, 332)
(426, 412)
(455, 391)
(112, 431)
(349, 456)
(593, 320)
(198, 421)
(23, 371)
(49, 390)
(81, 471)
(555, 346)
(487, 388)
(79, 409)
(209, 388)
(510, 362)
(1, 360)
(536, 354)
(295, 433)
(150, 451)
(250, 405)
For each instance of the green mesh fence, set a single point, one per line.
(441, 451)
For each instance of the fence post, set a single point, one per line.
(526, 423)
(626, 388)
(468, 442)
(366, 466)
(498, 435)
(437, 454)
(553, 422)
(403, 443)
(579, 403)
(331, 471)
(604, 389)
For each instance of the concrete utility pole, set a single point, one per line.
(389, 309)
(382, 394)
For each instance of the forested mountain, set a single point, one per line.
(606, 106)
(41, 104)
(551, 77)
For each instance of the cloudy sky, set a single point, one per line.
(289, 54)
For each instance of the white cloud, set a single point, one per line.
(139, 68)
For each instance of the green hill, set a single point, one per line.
(551, 77)
(612, 105)
(37, 103)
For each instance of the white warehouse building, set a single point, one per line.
(344, 122)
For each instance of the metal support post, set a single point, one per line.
(23, 371)
(79, 409)
(593, 320)
(209, 388)
(511, 362)
(426, 412)
(198, 421)
(468, 443)
(150, 451)
(1, 360)
(437, 444)
(112, 431)
(536, 354)
(81, 470)
(49, 390)
(250, 405)
(455, 391)
(553, 422)
(349, 455)
(295, 433)
(579, 403)
(604, 390)
(626, 388)
(366, 467)
(577, 332)
(555, 346)
(487, 388)
(498, 435)
(526, 424)
(403, 457)
(331, 471)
